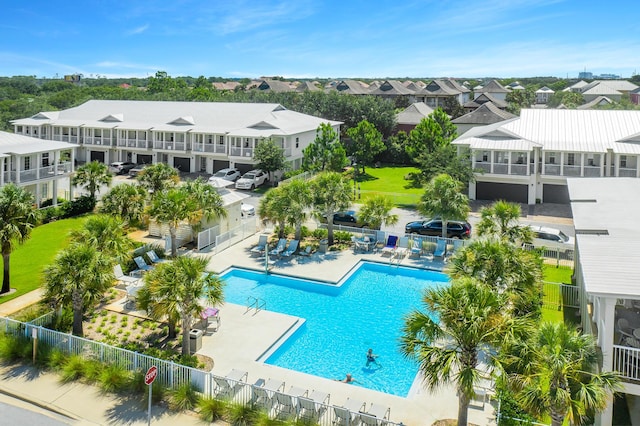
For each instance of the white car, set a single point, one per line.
(231, 174)
(252, 180)
(247, 210)
(552, 238)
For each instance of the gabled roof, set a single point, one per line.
(439, 87)
(416, 86)
(307, 86)
(414, 113)
(455, 85)
(487, 113)
(599, 101)
(11, 143)
(600, 89)
(228, 85)
(619, 85)
(392, 88)
(578, 85)
(484, 98)
(276, 86)
(352, 87)
(493, 87)
(545, 89)
(186, 120)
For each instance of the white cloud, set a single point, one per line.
(138, 30)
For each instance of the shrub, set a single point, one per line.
(158, 392)
(320, 233)
(211, 409)
(49, 202)
(51, 213)
(73, 369)
(57, 359)
(92, 370)
(14, 348)
(114, 378)
(184, 397)
(342, 236)
(239, 414)
(81, 205)
(305, 232)
(64, 321)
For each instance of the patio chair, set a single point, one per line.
(441, 248)
(142, 265)
(313, 406)
(380, 240)
(260, 397)
(416, 247)
(293, 247)
(282, 242)
(285, 404)
(153, 257)
(230, 384)
(306, 251)
(391, 245)
(402, 247)
(624, 328)
(262, 244)
(349, 414)
(122, 278)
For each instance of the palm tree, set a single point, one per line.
(505, 268)
(106, 234)
(158, 177)
(92, 175)
(297, 199)
(443, 198)
(273, 207)
(172, 207)
(555, 373)
(78, 277)
(126, 201)
(18, 217)
(470, 320)
(376, 210)
(331, 193)
(210, 205)
(501, 220)
(174, 290)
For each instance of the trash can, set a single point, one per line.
(324, 246)
(195, 340)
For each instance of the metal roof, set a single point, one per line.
(487, 113)
(414, 113)
(499, 144)
(10, 143)
(608, 260)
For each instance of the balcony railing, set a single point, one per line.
(626, 172)
(486, 167)
(97, 141)
(552, 169)
(519, 169)
(170, 146)
(40, 173)
(133, 143)
(501, 169)
(571, 170)
(594, 171)
(626, 361)
(235, 151)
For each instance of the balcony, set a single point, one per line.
(486, 167)
(627, 172)
(595, 171)
(519, 169)
(170, 146)
(132, 143)
(571, 171)
(97, 141)
(500, 169)
(626, 361)
(552, 169)
(40, 173)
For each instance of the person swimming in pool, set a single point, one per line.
(371, 357)
(348, 379)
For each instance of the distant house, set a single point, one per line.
(530, 157)
(494, 89)
(436, 92)
(612, 89)
(408, 119)
(482, 99)
(307, 86)
(634, 95)
(275, 86)
(40, 166)
(393, 89)
(351, 87)
(485, 114)
(543, 95)
(225, 86)
(599, 101)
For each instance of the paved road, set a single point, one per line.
(16, 412)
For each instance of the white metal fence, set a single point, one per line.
(173, 375)
(235, 235)
(561, 258)
(558, 295)
(208, 237)
(626, 360)
(301, 176)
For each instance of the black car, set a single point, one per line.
(347, 218)
(433, 227)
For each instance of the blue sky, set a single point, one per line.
(327, 39)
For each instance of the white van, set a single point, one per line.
(552, 238)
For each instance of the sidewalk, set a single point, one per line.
(83, 404)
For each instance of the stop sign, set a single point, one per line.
(152, 372)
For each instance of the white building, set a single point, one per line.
(42, 167)
(528, 159)
(191, 136)
(607, 271)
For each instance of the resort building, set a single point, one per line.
(42, 167)
(191, 136)
(606, 272)
(529, 158)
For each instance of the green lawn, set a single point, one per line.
(390, 181)
(29, 259)
(557, 275)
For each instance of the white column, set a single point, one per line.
(492, 159)
(582, 164)
(561, 163)
(18, 160)
(508, 162)
(607, 307)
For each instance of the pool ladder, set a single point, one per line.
(255, 303)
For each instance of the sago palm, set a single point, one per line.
(376, 210)
(501, 220)
(91, 176)
(127, 201)
(106, 234)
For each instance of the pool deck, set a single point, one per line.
(244, 335)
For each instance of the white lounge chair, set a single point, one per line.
(349, 413)
(260, 396)
(285, 404)
(390, 247)
(402, 247)
(313, 406)
(282, 242)
(122, 278)
(153, 257)
(262, 244)
(416, 246)
(376, 415)
(230, 384)
(293, 247)
(441, 248)
(142, 265)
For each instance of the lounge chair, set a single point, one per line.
(349, 414)
(293, 247)
(441, 248)
(124, 279)
(153, 257)
(313, 406)
(376, 415)
(402, 247)
(285, 404)
(306, 251)
(380, 239)
(390, 247)
(262, 244)
(260, 397)
(282, 242)
(142, 265)
(416, 246)
(624, 329)
(230, 384)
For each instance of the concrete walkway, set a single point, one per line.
(21, 302)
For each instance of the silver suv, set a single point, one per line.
(252, 180)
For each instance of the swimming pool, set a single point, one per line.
(365, 311)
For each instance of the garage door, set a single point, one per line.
(97, 156)
(244, 168)
(219, 164)
(558, 194)
(144, 159)
(502, 191)
(182, 164)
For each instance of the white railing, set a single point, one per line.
(235, 235)
(561, 258)
(626, 361)
(559, 295)
(170, 374)
(626, 172)
(303, 176)
(208, 237)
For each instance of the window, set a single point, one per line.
(485, 156)
(221, 140)
(45, 159)
(571, 159)
(27, 163)
(552, 158)
(297, 142)
(623, 161)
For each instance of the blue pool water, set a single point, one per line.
(342, 322)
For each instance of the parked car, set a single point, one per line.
(551, 238)
(252, 180)
(121, 167)
(247, 210)
(137, 169)
(347, 218)
(231, 174)
(433, 227)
